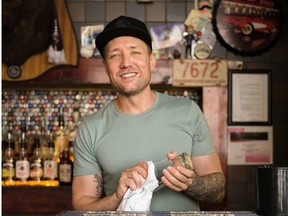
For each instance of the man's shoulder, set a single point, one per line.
(175, 99)
(96, 116)
(179, 104)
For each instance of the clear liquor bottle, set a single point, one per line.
(61, 138)
(50, 165)
(8, 168)
(36, 163)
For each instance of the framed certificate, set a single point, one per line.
(250, 145)
(249, 97)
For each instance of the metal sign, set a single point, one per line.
(199, 72)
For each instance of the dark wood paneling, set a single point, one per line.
(25, 199)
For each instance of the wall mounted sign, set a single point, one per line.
(249, 96)
(202, 51)
(188, 72)
(247, 27)
(14, 71)
(250, 145)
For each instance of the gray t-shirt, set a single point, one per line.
(109, 141)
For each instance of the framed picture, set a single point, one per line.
(167, 35)
(250, 145)
(247, 27)
(249, 97)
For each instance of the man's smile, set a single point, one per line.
(128, 75)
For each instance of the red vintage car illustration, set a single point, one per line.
(250, 17)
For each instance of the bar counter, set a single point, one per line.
(56, 200)
(190, 213)
(26, 200)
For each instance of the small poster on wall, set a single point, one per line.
(88, 36)
(250, 145)
(168, 35)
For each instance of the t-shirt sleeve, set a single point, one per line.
(202, 143)
(85, 162)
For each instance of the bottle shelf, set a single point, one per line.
(44, 183)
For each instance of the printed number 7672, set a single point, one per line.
(203, 69)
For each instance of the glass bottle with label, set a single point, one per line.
(184, 159)
(65, 168)
(71, 150)
(44, 137)
(22, 163)
(8, 169)
(50, 165)
(36, 164)
(61, 139)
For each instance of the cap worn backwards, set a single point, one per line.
(123, 26)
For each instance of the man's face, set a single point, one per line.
(129, 64)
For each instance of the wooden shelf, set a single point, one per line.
(88, 72)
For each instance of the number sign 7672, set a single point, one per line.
(199, 73)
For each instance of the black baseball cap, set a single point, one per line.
(123, 26)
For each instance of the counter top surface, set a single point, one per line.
(190, 213)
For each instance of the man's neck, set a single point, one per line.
(136, 104)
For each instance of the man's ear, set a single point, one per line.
(105, 66)
(152, 61)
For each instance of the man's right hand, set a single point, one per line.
(131, 178)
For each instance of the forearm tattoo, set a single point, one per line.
(209, 188)
(99, 185)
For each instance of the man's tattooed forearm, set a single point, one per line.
(209, 188)
(99, 184)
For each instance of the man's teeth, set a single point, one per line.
(128, 75)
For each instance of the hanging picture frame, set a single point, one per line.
(249, 97)
(247, 27)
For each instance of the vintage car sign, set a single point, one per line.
(199, 72)
(248, 27)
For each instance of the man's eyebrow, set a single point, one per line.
(132, 47)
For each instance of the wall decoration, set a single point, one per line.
(247, 27)
(250, 145)
(168, 35)
(88, 35)
(30, 36)
(199, 20)
(208, 72)
(249, 95)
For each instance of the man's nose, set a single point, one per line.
(126, 61)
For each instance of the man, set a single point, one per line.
(141, 125)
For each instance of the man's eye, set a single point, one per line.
(136, 53)
(114, 55)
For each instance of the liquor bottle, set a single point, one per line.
(8, 169)
(36, 163)
(65, 168)
(50, 165)
(71, 150)
(44, 137)
(72, 134)
(22, 163)
(61, 139)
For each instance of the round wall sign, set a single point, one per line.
(202, 51)
(247, 27)
(14, 71)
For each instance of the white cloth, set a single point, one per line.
(56, 57)
(140, 199)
